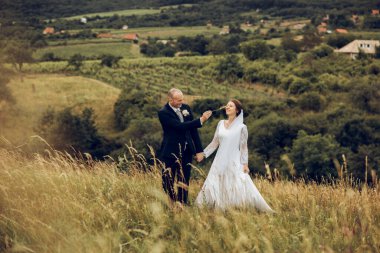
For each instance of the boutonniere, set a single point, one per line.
(185, 113)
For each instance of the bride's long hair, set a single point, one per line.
(239, 106)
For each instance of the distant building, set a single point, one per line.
(375, 12)
(354, 47)
(83, 20)
(326, 18)
(48, 30)
(299, 26)
(322, 30)
(341, 31)
(131, 37)
(125, 27)
(355, 19)
(225, 30)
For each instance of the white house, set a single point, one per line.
(366, 46)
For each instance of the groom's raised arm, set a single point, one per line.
(168, 120)
(195, 136)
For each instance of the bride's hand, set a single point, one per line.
(245, 169)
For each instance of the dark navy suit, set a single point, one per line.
(180, 143)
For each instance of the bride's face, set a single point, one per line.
(231, 109)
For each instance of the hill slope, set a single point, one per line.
(35, 93)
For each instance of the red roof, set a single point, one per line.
(130, 36)
(322, 29)
(341, 30)
(48, 30)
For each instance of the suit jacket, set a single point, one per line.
(177, 133)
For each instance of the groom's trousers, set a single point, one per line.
(177, 170)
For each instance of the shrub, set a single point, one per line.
(322, 51)
(229, 68)
(311, 101)
(366, 97)
(312, 156)
(255, 50)
(66, 131)
(299, 86)
(110, 60)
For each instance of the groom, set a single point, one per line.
(181, 141)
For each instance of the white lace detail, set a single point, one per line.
(214, 144)
(244, 146)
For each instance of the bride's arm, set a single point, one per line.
(213, 144)
(244, 146)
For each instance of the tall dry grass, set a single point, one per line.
(59, 203)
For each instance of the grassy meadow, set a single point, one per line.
(58, 203)
(36, 93)
(124, 49)
(171, 32)
(130, 12)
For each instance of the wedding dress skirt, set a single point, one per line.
(230, 188)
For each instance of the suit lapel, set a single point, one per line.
(171, 111)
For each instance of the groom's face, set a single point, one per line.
(177, 100)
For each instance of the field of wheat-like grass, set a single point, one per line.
(57, 203)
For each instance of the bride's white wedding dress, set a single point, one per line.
(226, 184)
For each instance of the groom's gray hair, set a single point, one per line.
(173, 91)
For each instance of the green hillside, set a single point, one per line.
(36, 93)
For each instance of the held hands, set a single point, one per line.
(245, 168)
(199, 157)
(205, 116)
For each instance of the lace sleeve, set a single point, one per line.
(244, 146)
(213, 144)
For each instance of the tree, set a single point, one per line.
(366, 97)
(377, 52)
(5, 92)
(229, 68)
(322, 51)
(310, 39)
(110, 60)
(255, 50)
(311, 101)
(65, 131)
(312, 156)
(76, 61)
(17, 54)
(216, 46)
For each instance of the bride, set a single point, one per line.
(228, 183)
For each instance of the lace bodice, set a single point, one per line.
(220, 136)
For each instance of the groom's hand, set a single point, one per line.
(199, 157)
(205, 116)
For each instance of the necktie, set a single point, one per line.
(178, 112)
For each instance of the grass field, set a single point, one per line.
(59, 204)
(129, 12)
(35, 93)
(137, 12)
(367, 35)
(163, 32)
(123, 49)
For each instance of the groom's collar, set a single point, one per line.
(173, 108)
